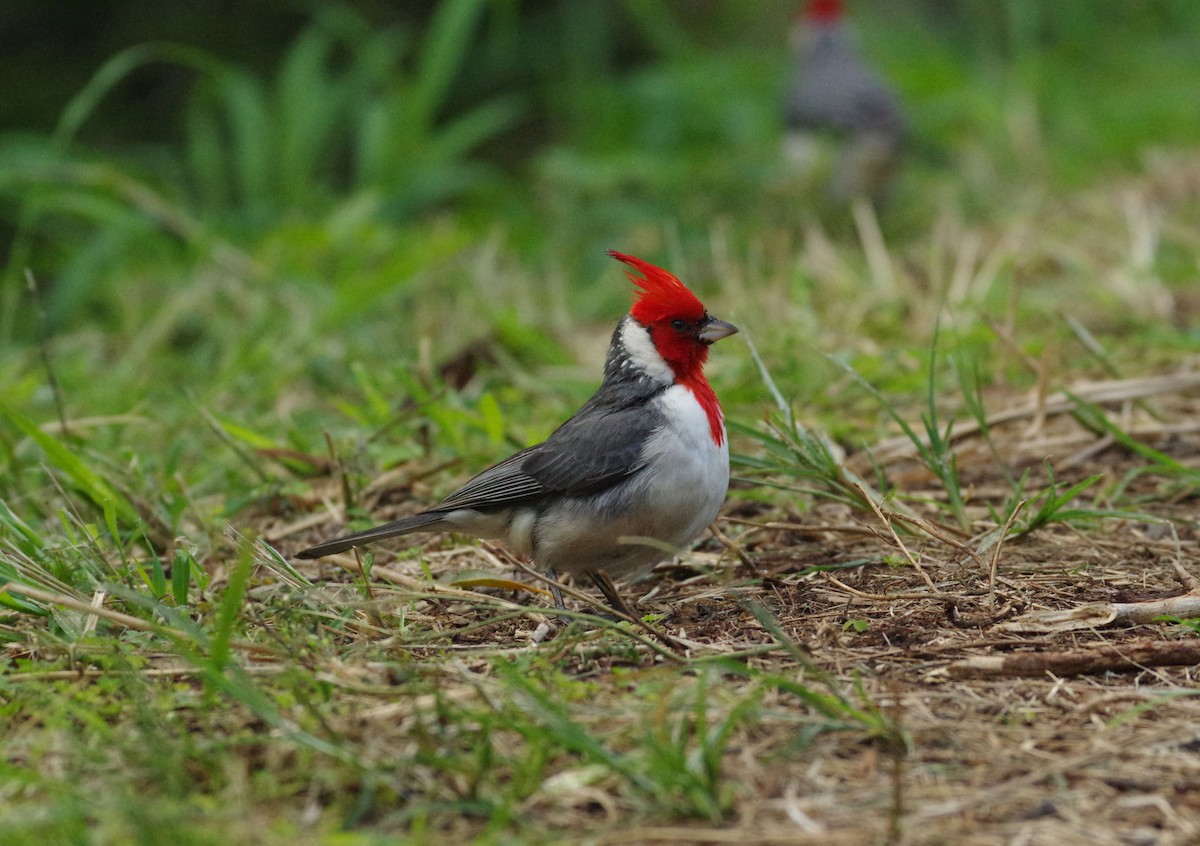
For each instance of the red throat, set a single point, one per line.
(687, 360)
(704, 395)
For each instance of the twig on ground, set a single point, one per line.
(731, 545)
(895, 536)
(1185, 578)
(1094, 615)
(995, 562)
(1099, 659)
(960, 622)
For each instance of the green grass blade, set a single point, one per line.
(231, 605)
(181, 574)
(553, 718)
(444, 51)
(89, 483)
(1096, 420)
(115, 70)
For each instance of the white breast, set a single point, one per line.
(671, 501)
(690, 472)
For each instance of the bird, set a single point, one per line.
(640, 470)
(834, 91)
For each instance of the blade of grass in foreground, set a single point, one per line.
(87, 481)
(554, 719)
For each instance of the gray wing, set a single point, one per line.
(599, 446)
(596, 448)
(504, 484)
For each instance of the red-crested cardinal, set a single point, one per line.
(641, 468)
(834, 90)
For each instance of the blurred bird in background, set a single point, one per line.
(833, 92)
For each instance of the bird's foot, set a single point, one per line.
(624, 611)
(608, 589)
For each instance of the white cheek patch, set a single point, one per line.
(636, 340)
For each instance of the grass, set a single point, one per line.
(919, 429)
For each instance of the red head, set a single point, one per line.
(823, 11)
(679, 325)
(661, 295)
(671, 313)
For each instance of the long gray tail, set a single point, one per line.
(388, 530)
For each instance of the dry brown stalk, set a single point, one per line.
(1094, 615)
(1098, 659)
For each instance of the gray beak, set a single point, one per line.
(715, 330)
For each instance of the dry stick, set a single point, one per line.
(731, 545)
(1105, 658)
(995, 562)
(1185, 578)
(895, 537)
(125, 620)
(89, 625)
(1189, 582)
(1094, 615)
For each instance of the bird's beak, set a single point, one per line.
(715, 330)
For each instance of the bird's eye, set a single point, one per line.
(678, 325)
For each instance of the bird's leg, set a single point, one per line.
(617, 602)
(554, 591)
